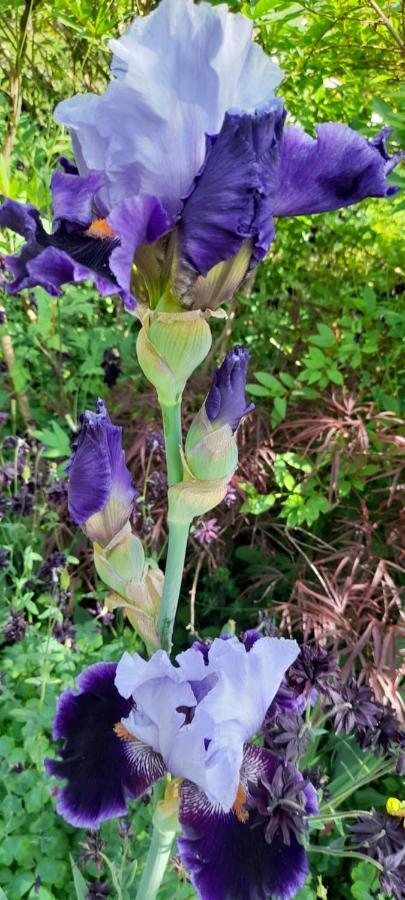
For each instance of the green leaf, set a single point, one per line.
(270, 382)
(79, 882)
(56, 441)
(335, 375)
(287, 379)
(315, 359)
(325, 338)
(257, 390)
(280, 405)
(258, 504)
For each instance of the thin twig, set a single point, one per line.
(385, 21)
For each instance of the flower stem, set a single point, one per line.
(178, 536)
(173, 441)
(155, 866)
(351, 854)
(178, 533)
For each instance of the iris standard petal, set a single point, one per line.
(178, 70)
(233, 197)
(237, 702)
(165, 713)
(102, 770)
(337, 168)
(227, 855)
(247, 683)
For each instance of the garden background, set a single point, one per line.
(308, 539)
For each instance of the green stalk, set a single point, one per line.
(178, 536)
(173, 441)
(155, 866)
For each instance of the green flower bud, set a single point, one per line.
(211, 453)
(170, 346)
(137, 585)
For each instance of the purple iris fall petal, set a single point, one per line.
(87, 241)
(233, 196)
(226, 401)
(99, 481)
(102, 770)
(337, 168)
(227, 855)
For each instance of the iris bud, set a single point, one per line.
(211, 452)
(137, 585)
(100, 490)
(170, 346)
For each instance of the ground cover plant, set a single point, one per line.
(268, 761)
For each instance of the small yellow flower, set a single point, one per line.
(396, 807)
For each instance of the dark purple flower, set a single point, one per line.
(155, 442)
(92, 848)
(384, 733)
(100, 487)
(50, 568)
(288, 735)
(15, 628)
(98, 890)
(354, 707)
(226, 401)
(22, 503)
(112, 365)
(102, 613)
(313, 669)
(382, 837)
(57, 492)
(336, 169)
(87, 241)
(392, 879)
(64, 632)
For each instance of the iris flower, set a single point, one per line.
(241, 811)
(182, 165)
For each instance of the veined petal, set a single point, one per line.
(227, 854)
(102, 770)
(233, 197)
(179, 70)
(337, 168)
(237, 701)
